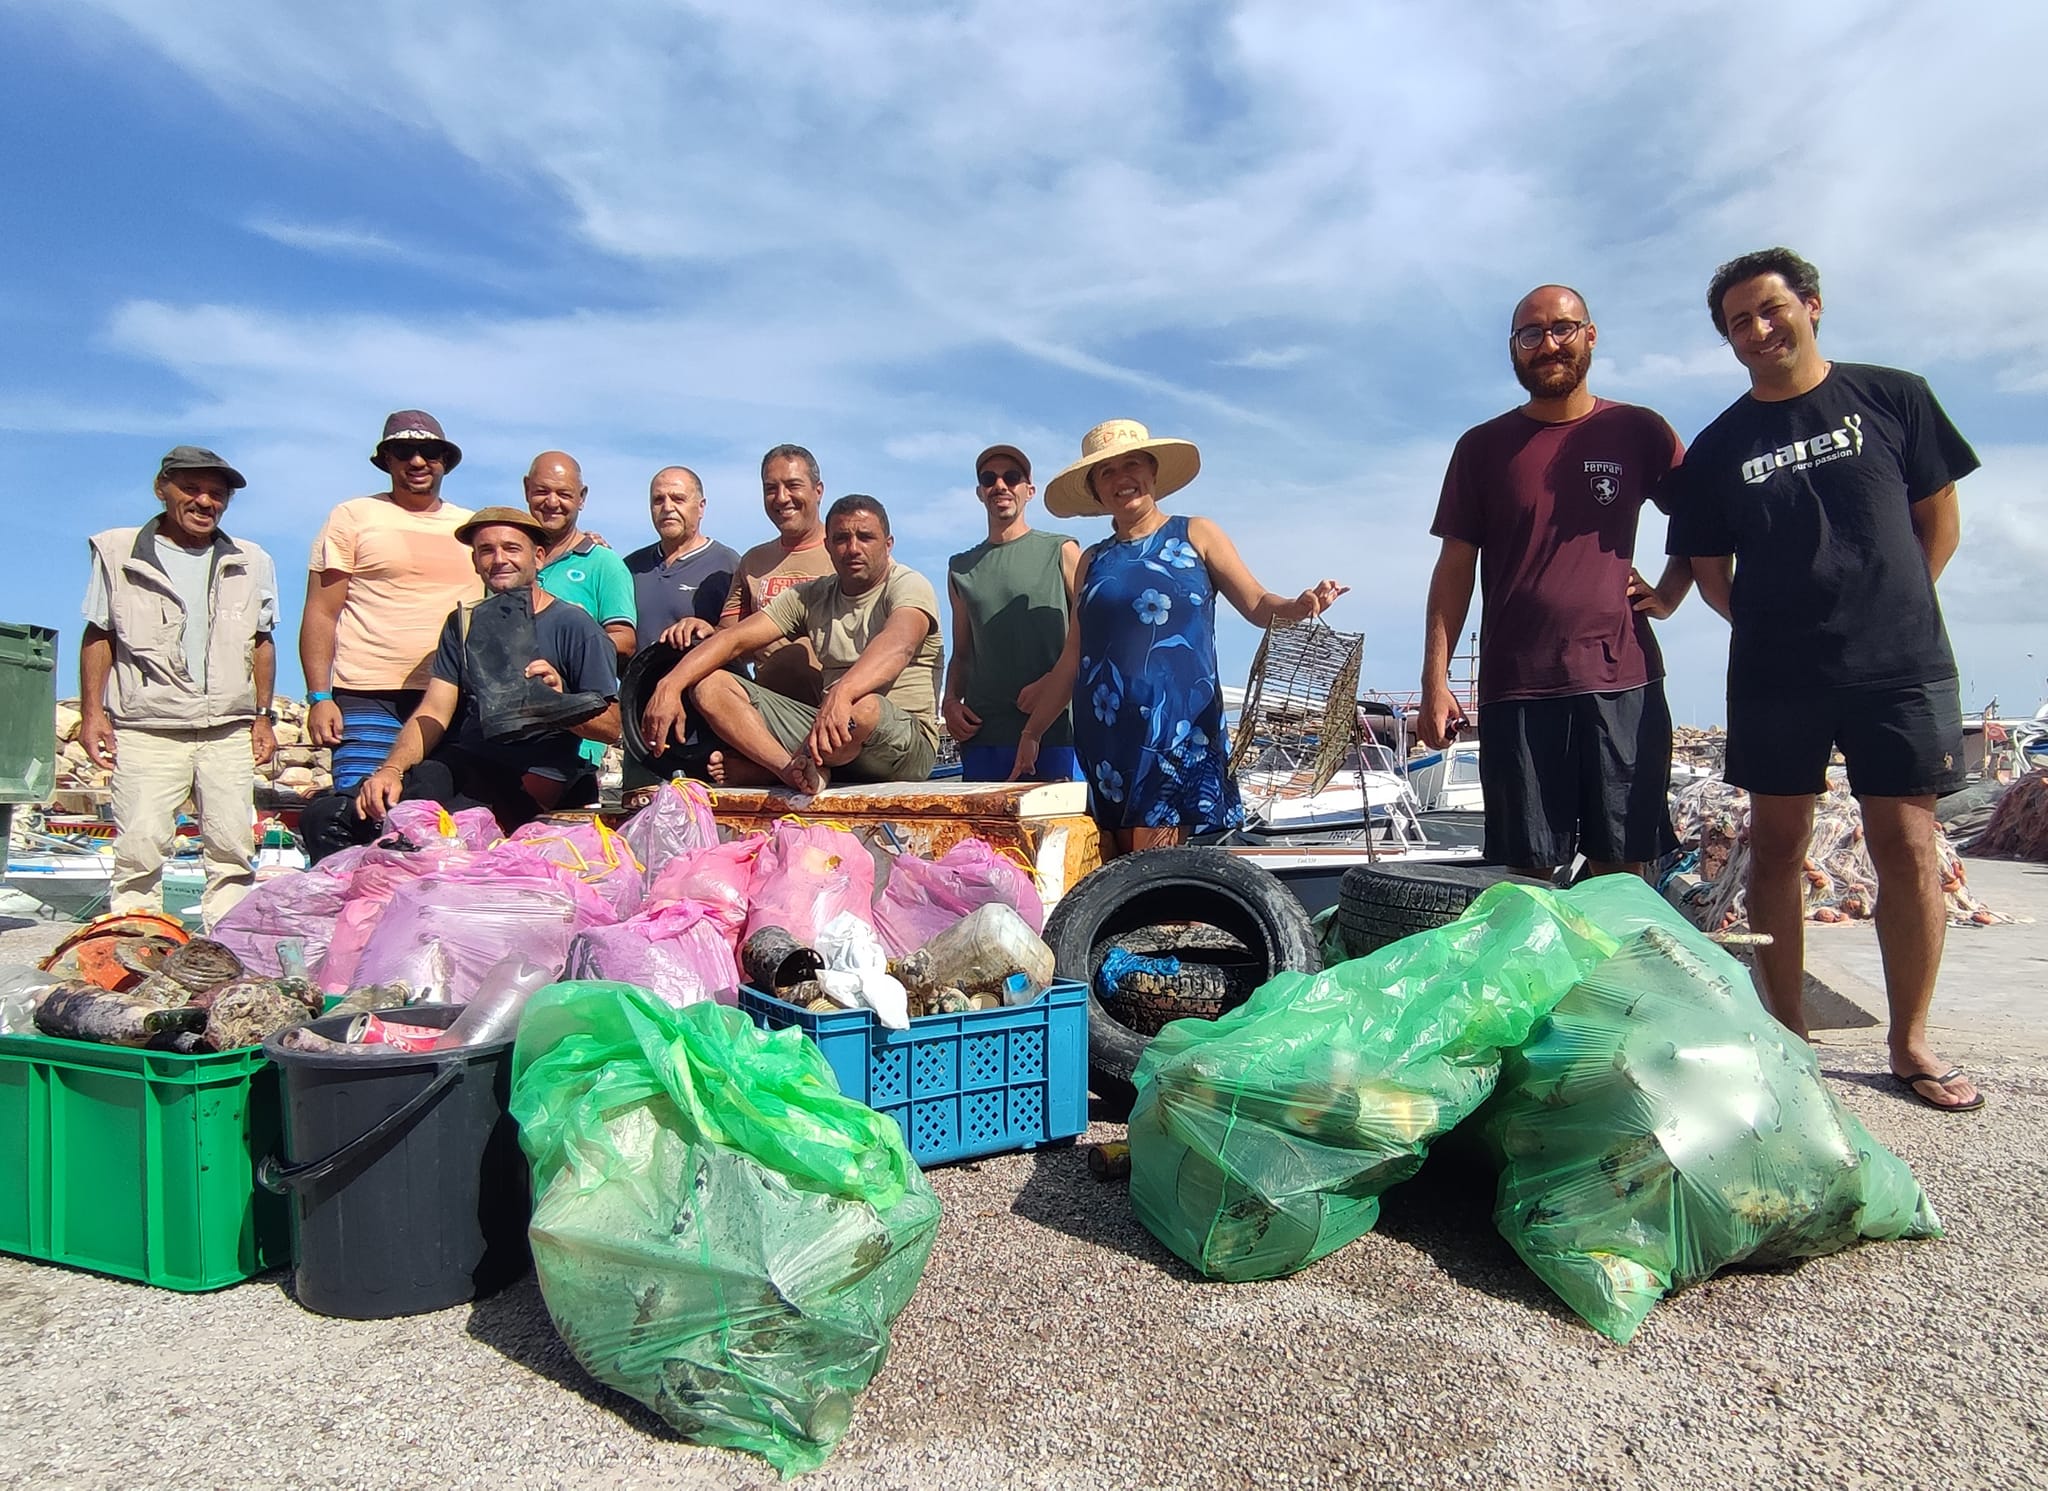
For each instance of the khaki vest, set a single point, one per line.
(151, 687)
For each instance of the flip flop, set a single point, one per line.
(1910, 1078)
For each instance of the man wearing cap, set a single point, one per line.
(443, 753)
(178, 654)
(1012, 599)
(873, 623)
(384, 573)
(791, 490)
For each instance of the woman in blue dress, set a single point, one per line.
(1140, 662)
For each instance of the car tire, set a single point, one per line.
(1154, 886)
(1379, 904)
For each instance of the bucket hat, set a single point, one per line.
(414, 424)
(1068, 495)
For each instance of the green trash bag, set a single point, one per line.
(1262, 1140)
(718, 1232)
(1660, 1126)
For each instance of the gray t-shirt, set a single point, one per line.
(191, 576)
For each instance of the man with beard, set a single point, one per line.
(1575, 742)
(442, 753)
(791, 490)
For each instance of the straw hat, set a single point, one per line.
(1068, 494)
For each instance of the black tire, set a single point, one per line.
(1136, 891)
(648, 667)
(1379, 904)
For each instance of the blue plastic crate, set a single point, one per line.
(986, 1082)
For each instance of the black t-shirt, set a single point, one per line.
(580, 651)
(1813, 496)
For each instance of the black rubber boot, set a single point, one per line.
(499, 648)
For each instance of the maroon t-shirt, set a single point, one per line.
(1552, 510)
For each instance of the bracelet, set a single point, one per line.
(320, 696)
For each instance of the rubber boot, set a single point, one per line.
(499, 648)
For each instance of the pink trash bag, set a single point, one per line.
(475, 828)
(924, 897)
(306, 906)
(441, 934)
(806, 875)
(677, 821)
(718, 879)
(593, 854)
(372, 875)
(678, 953)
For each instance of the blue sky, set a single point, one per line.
(1292, 232)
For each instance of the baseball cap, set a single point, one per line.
(199, 458)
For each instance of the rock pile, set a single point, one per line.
(297, 771)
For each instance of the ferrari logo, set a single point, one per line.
(1605, 489)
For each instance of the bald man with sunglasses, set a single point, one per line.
(1012, 596)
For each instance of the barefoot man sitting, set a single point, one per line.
(874, 625)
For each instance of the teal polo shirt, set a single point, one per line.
(595, 578)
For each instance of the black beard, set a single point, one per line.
(1578, 360)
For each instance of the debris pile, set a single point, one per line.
(1698, 748)
(1705, 876)
(2019, 824)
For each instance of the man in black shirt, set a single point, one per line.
(1818, 511)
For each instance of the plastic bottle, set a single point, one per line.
(985, 950)
(493, 1015)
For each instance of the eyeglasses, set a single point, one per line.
(1529, 338)
(402, 451)
(1012, 478)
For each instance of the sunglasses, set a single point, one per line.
(1013, 478)
(431, 451)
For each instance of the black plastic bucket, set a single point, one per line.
(408, 1189)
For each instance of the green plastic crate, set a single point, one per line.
(139, 1164)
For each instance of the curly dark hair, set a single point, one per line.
(1800, 277)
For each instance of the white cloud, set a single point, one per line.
(896, 233)
(322, 239)
(1267, 359)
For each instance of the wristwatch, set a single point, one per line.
(267, 714)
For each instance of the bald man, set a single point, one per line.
(575, 567)
(1541, 504)
(681, 579)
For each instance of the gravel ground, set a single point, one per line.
(1053, 1343)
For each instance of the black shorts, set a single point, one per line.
(1899, 740)
(1586, 774)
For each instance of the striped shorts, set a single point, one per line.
(369, 728)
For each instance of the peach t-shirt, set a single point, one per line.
(406, 572)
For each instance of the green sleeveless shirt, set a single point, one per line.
(1015, 605)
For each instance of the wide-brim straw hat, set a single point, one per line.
(1068, 495)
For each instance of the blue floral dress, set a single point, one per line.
(1148, 707)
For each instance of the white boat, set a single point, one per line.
(73, 878)
(1448, 780)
